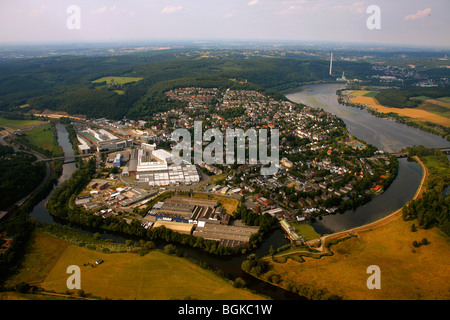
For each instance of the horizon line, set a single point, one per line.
(200, 41)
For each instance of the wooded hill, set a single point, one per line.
(65, 83)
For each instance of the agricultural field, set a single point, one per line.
(42, 140)
(421, 113)
(13, 125)
(117, 80)
(407, 272)
(154, 276)
(39, 259)
(436, 106)
(364, 93)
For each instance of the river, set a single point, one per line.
(384, 134)
(230, 265)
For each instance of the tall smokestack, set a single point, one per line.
(331, 63)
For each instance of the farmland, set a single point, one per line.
(153, 276)
(17, 124)
(427, 111)
(41, 139)
(406, 272)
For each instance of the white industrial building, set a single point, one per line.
(162, 172)
(172, 175)
(101, 140)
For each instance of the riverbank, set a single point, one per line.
(407, 271)
(413, 117)
(376, 224)
(320, 245)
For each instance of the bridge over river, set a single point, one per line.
(68, 159)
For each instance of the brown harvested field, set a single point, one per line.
(415, 113)
(406, 272)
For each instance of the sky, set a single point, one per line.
(400, 22)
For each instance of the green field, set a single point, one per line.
(41, 139)
(154, 276)
(444, 99)
(305, 230)
(434, 108)
(421, 98)
(117, 80)
(17, 124)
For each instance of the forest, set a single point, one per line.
(18, 176)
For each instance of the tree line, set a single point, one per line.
(433, 208)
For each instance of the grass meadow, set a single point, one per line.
(153, 276)
(42, 138)
(17, 124)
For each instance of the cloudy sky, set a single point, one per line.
(412, 22)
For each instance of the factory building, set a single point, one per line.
(101, 140)
(155, 167)
(138, 195)
(187, 210)
(201, 218)
(117, 160)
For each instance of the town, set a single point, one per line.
(322, 168)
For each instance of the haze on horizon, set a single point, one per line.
(404, 22)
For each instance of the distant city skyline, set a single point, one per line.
(403, 22)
